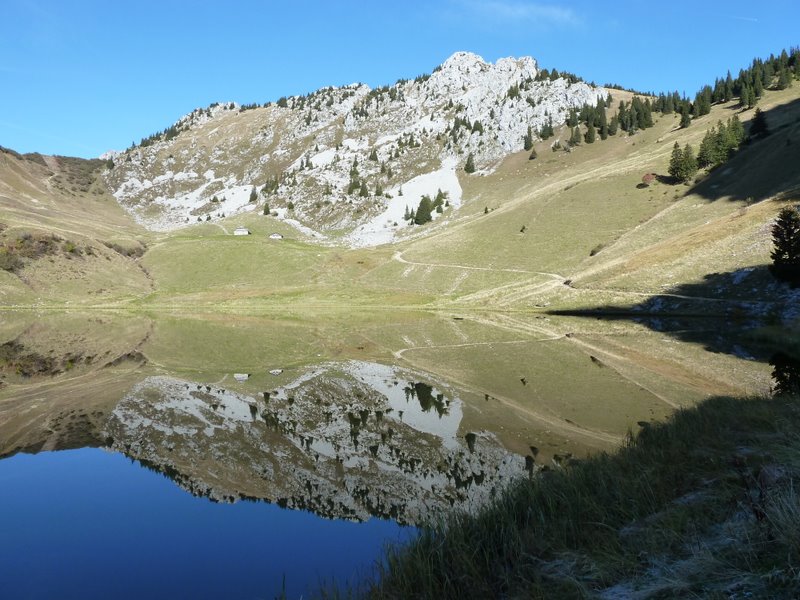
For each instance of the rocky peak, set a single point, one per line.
(349, 159)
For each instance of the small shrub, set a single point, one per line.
(8, 260)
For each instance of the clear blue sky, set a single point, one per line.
(80, 77)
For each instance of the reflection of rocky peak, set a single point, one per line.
(345, 440)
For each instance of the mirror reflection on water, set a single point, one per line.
(242, 456)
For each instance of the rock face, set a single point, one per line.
(345, 440)
(346, 158)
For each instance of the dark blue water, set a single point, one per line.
(91, 524)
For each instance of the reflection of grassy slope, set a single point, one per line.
(697, 507)
(582, 392)
(585, 390)
(95, 363)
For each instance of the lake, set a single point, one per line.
(246, 456)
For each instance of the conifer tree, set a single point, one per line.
(469, 166)
(603, 125)
(527, 140)
(688, 164)
(706, 154)
(745, 97)
(590, 133)
(613, 125)
(682, 163)
(674, 168)
(758, 126)
(784, 79)
(423, 214)
(786, 241)
(575, 137)
(686, 118)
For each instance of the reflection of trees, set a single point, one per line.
(426, 398)
(785, 374)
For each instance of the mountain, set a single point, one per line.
(344, 162)
(567, 225)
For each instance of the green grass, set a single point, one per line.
(679, 511)
(585, 219)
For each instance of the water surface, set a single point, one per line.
(230, 457)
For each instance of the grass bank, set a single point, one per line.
(706, 504)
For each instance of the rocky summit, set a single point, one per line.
(343, 164)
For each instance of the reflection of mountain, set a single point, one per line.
(345, 440)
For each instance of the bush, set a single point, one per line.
(8, 260)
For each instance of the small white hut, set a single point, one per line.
(275, 236)
(241, 231)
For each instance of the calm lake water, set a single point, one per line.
(236, 458)
(92, 524)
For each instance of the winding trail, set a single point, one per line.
(398, 256)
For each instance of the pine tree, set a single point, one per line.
(706, 154)
(746, 97)
(675, 168)
(469, 166)
(603, 125)
(784, 79)
(786, 241)
(572, 118)
(423, 214)
(688, 164)
(266, 209)
(613, 125)
(253, 194)
(590, 133)
(758, 88)
(547, 129)
(527, 140)
(532, 155)
(575, 137)
(363, 192)
(686, 118)
(758, 126)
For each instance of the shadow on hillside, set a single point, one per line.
(763, 168)
(720, 313)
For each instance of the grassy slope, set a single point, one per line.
(66, 198)
(704, 505)
(643, 241)
(572, 205)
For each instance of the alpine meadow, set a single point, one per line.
(494, 331)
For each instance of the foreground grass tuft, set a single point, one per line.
(706, 504)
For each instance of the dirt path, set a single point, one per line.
(398, 256)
